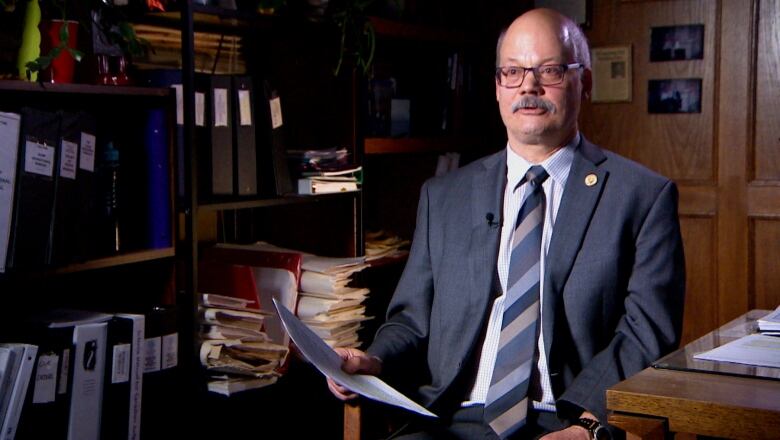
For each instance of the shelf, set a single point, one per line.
(410, 31)
(277, 201)
(412, 145)
(83, 89)
(118, 260)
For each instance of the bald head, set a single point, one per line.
(554, 24)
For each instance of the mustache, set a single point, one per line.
(532, 101)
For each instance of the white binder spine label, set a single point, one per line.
(170, 351)
(245, 107)
(87, 152)
(276, 112)
(152, 355)
(39, 159)
(69, 151)
(200, 109)
(62, 381)
(120, 364)
(220, 107)
(45, 379)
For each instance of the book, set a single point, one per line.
(161, 381)
(9, 148)
(244, 144)
(158, 181)
(20, 370)
(214, 135)
(34, 193)
(63, 230)
(122, 394)
(312, 186)
(270, 131)
(86, 195)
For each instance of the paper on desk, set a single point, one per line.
(329, 363)
(755, 349)
(770, 322)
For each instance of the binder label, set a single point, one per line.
(45, 378)
(39, 159)
(200, 109)
(170, 351)
(152, 355)
(244, 107)
(87, 152)
(179, 104)
(69, 156)
(276, 112)
(220, 107)
(62, 388)
(120, 364)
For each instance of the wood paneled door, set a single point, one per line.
(725, 159)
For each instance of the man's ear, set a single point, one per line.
(587, 83)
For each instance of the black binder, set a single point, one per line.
(34, 193)
(244, 145)
(272, 142)
(64, 219)
(214, 136)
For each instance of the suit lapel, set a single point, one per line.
(580, 198)
(486, 197)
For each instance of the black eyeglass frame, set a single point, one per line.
(535, 71)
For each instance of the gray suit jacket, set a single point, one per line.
(614, 281)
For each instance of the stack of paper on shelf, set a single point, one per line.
(380, 244)
(327, 303)
(322, 182)
(236, 349)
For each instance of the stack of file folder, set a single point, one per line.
(235, 349)
(323, 182)
(327, 303)
(380, 244)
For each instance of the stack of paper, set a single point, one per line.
(770, 324)
(381, 244)
(327, 304)
(322, 182)
(235, 349)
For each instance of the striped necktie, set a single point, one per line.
(506, 405)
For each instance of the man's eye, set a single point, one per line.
(547, 70)
(512, 71)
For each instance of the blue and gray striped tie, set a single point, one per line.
(506, 405)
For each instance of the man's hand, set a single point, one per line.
(574, 432)
(355, 362)
(570, 433)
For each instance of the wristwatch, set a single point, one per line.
(596, 430)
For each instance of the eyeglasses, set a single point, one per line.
(547, 74)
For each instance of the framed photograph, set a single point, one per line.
(673, 43)
(674, 95)
(612, 76)
(578, 10)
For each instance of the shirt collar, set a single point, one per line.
(557, 165)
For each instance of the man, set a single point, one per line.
(538, 276)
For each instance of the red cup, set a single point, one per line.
(62, 68)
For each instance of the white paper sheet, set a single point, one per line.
(329, 363)
(755, 349)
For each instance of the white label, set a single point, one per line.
(152, 355)
(69, 154)
(220, 108)
(120, 364)
(46, 378)
(62, 381)
(170, 350)
(87, 152)
(200, 109)
(39, 159)
(179, 103)
(276, 112)
(244, 107)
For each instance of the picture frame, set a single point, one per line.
(676, 43)
(612, 74)
(674, 95)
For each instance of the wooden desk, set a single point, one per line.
(657, 401)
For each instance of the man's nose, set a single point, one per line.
(530, 84)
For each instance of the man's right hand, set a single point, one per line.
(354, 362)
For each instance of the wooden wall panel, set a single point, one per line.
(701, 305)
(765, 253)
(766, 159)
(680, 146)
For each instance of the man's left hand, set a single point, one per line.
(570, 433)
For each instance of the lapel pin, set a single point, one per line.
(591, 179)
